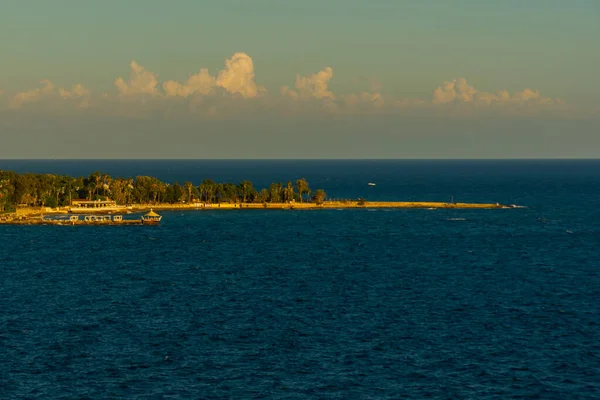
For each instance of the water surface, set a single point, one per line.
(315, 304)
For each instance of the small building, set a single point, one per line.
(151, 218)
(92, 204)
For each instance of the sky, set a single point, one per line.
(291, 79)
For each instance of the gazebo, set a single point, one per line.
(151, 218)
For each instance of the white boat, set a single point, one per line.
(371, 184)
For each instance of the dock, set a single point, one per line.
(95, 220)
(38, 221)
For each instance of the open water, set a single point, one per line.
(340, 304)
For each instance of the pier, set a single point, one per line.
(38, 221)
(96, 220)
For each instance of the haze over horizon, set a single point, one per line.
(336, 79)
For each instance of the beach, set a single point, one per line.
(32, 213)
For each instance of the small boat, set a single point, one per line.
(371, 184)
(151, 218)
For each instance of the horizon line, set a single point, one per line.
(315, 159)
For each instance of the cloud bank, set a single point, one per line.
(460, 91)
(234, 91)
(78, 95)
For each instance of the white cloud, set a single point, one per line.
(529, 95)
(202, 83)
(311, 86)
(238, 76)
(140, 81)
(76, 92)
(459, 91)
(203, 94)
(486, 98)
(32, 95)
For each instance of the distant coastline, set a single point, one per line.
(29, 215)
(31, 196)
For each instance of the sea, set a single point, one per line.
(323, 304)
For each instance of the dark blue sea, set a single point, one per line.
(331, 304)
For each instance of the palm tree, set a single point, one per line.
(245, 188)
(275, 192)
(97, 180)
(189, 187)
(302, 187)
(106, 179)
(289, 192)
(262, 196)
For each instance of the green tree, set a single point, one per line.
(319, 196)
(142, 189)
(93, 184)
(288, 192)
(262, 196)
(245, 190)
(275, 192)
(189, 187)
(207, 190)
(302, 188)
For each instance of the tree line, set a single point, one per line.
(47, 190)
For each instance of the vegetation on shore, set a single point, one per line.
(47, 190)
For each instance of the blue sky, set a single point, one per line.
(409, 48)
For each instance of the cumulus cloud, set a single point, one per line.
(32, 95)
(459, 91)
(202, 83)
(364, 99)
(486, 98)
(140, 82)
(529, 95)
(238, 76)
(311, 86)
(77, 93)
(204, 94)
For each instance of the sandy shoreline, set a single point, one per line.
(313, 206)
(30, 212)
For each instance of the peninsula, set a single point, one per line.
(29, 196)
